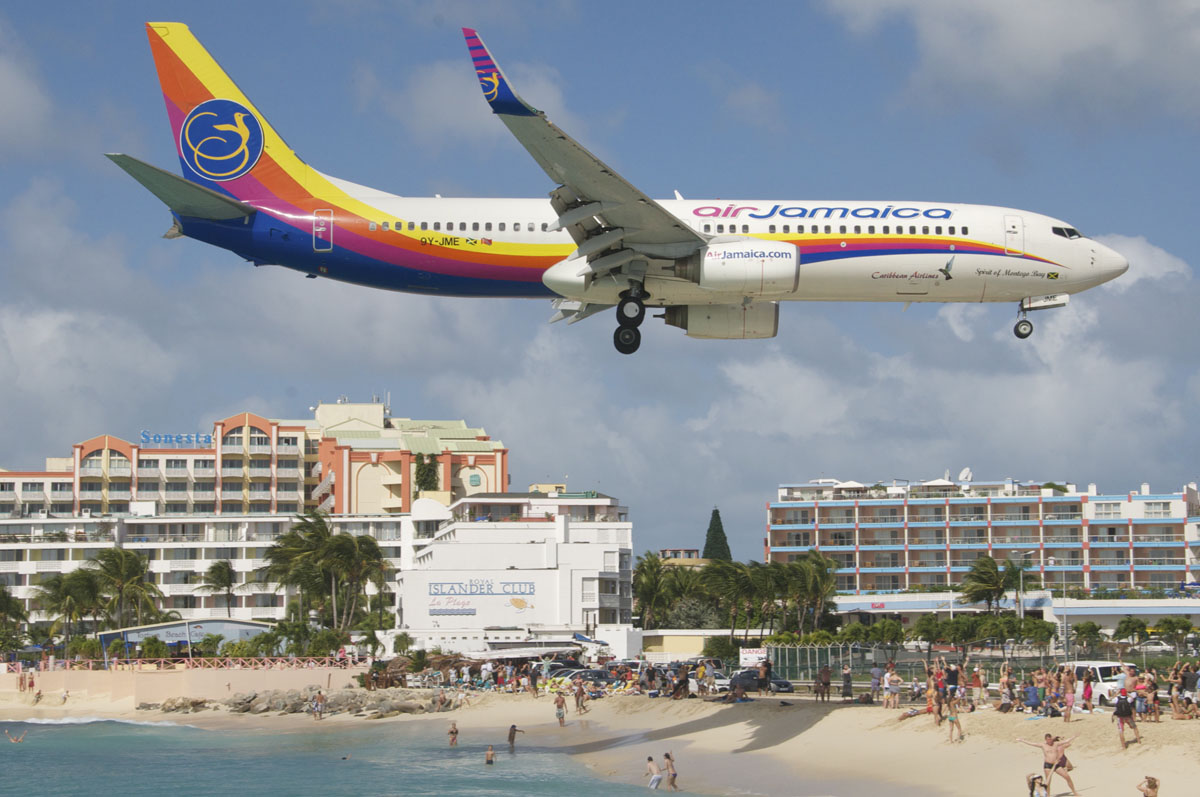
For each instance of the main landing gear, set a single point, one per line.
(631, 311)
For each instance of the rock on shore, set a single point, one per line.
(375, 704)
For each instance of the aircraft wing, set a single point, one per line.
(615, 226)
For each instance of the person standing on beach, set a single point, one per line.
(876, 677)
(669, 765)
(1123, 714)
(560, 710)
(1149, 787)
(513, 730)
(318, 706)
(847, 684)
(952, 709)
(654, 772)
(1054, 758)
(823, 683)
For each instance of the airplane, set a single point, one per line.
(716, 268)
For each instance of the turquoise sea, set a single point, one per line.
(104, 757)
(90, 757)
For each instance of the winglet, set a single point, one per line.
(496, 88)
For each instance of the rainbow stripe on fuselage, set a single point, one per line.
(328, 227)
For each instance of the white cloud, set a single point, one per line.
(28, 109)
(961, 318)
(441, 104)
(1146, 262)
(1074, 55)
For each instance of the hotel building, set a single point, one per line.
(903, 536)
(186, 500)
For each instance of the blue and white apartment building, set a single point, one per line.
(900, 536)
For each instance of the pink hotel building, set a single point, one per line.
(901, 536)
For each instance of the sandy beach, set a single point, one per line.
(802, 748)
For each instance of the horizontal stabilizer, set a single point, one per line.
(182, 196)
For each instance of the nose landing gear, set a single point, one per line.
(631, 311)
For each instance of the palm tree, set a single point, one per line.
(682, 583)
(72, 597)
(12, 610)
(220, 577)
(984, 583)
(820, 584)
(729, 583)
(358, 560)
(54, 598)
(650, 590)
(122, 574)
(1018, 579)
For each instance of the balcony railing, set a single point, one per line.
(1171, 561)
(205, 470)
(1008, 516)
(91, 470)
(1108, 561)
(1064, 516)
(284, 450)
(119, 470)
(1119, 538)
(1156, 538)
(938, 540)
(231, 471)
(150, 471)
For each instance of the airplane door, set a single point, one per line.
(1014, 235)
(322, 230)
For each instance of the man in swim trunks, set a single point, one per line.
(653, 771)
(1054, 758)
(560, 709)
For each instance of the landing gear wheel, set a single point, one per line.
(627, 339)
(630, 311)
(1023, 329)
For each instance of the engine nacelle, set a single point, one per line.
(747, 266)
(726, 321)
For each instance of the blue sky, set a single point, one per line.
(1084, 111)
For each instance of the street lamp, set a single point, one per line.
(1021, 585)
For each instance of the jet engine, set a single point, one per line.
(748, 266)
(726, 321)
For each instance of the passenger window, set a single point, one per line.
(857, 229)
(371, 226)
(828, 228)
(437, 225)
(500, 226)
(708, 228)
(545, 226)
(912, 230)
(842, 229)
(771, 228)
(385, 226)
(787, 228)
(531, 228)
(938, 229)
(952, 231)
(925, 230)
(887, 229)
(424, 225)
(487, 226)
(720, 228)
(965, 230)
(412, 225)
(474, 226)
(871, 229)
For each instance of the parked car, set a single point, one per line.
(748, 679)
(1154, 646)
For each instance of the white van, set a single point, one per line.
(1104, 680)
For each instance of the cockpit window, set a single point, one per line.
(1067, 232)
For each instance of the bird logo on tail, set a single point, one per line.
(221, 140)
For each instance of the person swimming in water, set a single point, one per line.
(18, 740)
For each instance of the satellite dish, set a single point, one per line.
(964, 475)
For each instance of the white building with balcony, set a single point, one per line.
(902, 536)
(505, 569)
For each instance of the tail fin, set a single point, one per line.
(224, 143)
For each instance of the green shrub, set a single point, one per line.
(721, 647)
(154, 648)
(116, 649)
(84, 647)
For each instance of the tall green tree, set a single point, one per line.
(984, 583)
(70, 598)
(716, 546)
(12, 610)
(1132, 629)
(124, 577)
(1087, 635)
(1174, 629)
(650, 589)
(728, 582)
(220, 577)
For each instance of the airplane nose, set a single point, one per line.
(1109, 263)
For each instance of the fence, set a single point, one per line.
(215, 663)
(801, 663)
